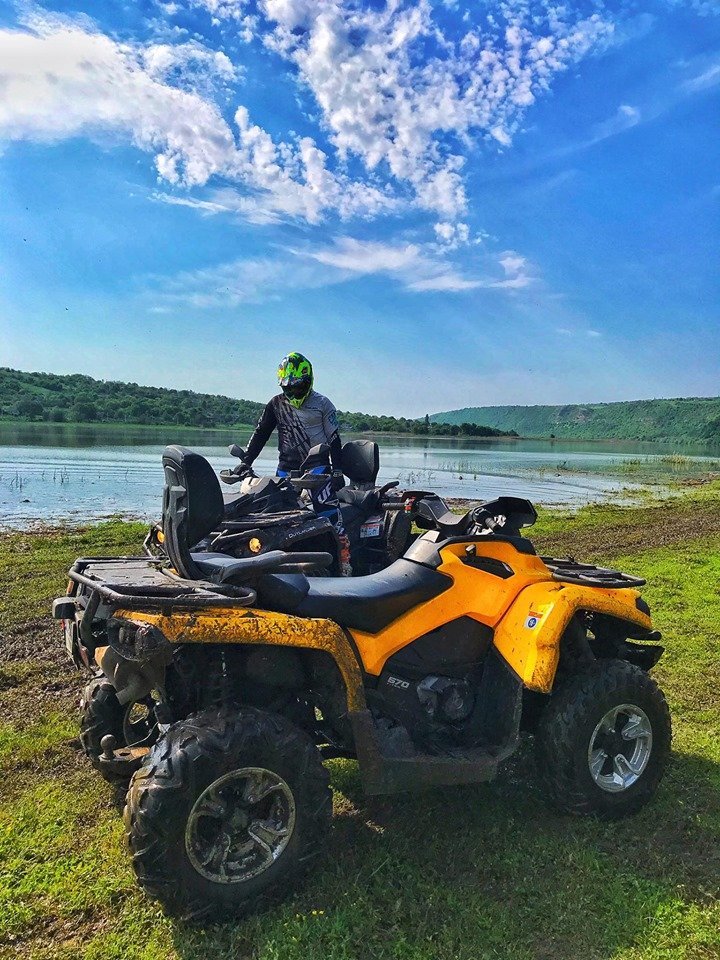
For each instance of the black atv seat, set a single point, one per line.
(361, 463)
(367, 603)
(356, 498)
(356, 504)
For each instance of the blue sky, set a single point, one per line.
(443, 203)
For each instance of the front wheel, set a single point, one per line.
(603, 741)
(226, 812)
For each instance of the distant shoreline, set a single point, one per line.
(390, 434)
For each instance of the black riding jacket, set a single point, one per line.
(298, 429)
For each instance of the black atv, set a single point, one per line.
(274, 513)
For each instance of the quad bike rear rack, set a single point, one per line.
(569, 570)
(154, 593)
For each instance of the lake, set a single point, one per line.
(73, 473)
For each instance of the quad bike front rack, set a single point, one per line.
(569, 570)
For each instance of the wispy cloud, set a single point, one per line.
(703, 81)
(568, 332)
(624, 119)
(369, 256)
(244, 280)
(416, 268)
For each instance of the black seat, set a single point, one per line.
(356, 505)
(361, 463)
(352, 496)
(367, 603)
(192, 507)
(220, 568)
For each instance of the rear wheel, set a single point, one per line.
(603, 740)
(102, 713)
(398, 534)
(226, 812)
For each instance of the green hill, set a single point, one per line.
(80, 399)
(687, 418)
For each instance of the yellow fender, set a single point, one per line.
(243, 625)
(529, 634)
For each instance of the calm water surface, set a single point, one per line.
(54, 472)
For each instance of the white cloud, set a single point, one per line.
(703, 81)
(190, 66)
(392, 87)
(223, 9)
(368, 256)
(235, 10)
(394, 92)
(451, 235)
(419, 268)
(62, 79)
(517, 272)
(448, 281)
(705, 8)
(512, 264)
(567, 332)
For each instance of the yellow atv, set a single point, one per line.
(221, 685)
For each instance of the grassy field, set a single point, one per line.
(457, 874)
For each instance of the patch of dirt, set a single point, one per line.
(39, 639)
(31, 698)
(663, 526)
(36, 675)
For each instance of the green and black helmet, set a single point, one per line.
(295, 376)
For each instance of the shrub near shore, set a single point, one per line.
(462, 873)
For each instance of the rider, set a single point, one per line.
(303, 418)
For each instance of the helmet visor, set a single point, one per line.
(297, 390)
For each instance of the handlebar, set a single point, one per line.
(236, 475)
(313, 481)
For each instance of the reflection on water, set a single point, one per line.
(78, 472)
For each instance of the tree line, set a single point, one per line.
(76, 398)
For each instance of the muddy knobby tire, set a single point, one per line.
(193, 754)
(565, 732)
(102, 713)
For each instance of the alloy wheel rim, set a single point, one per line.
(139, 723)
(240, 825)
(620, 748)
